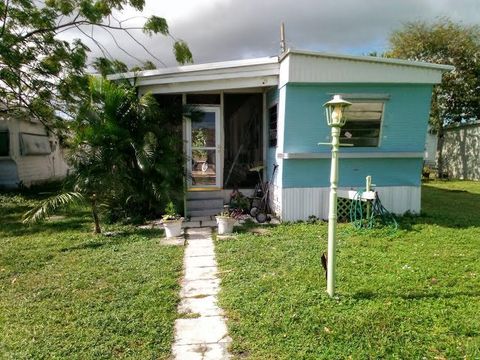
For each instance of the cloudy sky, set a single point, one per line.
(218, 30)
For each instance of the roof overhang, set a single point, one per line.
(239, 74)
(317, 67)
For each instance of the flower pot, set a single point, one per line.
(225, 224)
(173, 228)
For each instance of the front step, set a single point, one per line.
(213, 194)
(200, 204)
(203, 213)
(204, 203)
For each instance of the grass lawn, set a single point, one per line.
(68, 294)
(412, 294)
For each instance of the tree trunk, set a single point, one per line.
(96, 220)
(440, 152)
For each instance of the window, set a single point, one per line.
(4, 143)
(364, 120)
(34, 144)
(272, 126)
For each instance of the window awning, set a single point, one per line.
(34, 144)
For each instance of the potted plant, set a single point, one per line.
(172, 221)
(225, 221)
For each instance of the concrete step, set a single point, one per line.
(202, 195)
(200, 204)
(204, 212)
(202, 218)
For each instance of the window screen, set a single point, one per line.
(362, 128)
(272, 125)
(33, 144)
(243, 139)
(4, 143)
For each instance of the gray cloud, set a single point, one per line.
(232, 29)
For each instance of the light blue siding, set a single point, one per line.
(403, 129)
(352, 172)
(270, 161)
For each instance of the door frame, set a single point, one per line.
(218, 149)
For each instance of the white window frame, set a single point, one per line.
(369, 98)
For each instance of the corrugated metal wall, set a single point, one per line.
(461, 152)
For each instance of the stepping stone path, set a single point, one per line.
(201, 333)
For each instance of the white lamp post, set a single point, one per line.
(335, 119)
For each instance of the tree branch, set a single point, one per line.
(122, 49)
(74, 23)
(143, 46)
(4, 18)
(97, 43)
(120, 22)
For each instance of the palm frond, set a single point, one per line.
(50, 205)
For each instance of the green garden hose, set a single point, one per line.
(367, 214)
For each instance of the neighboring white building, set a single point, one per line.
(461, 151)
(430, 157)
(28, 154)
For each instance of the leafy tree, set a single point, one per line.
(45, 75)
(146, 65)
(457, 98)
(127, 154)
(105, 66)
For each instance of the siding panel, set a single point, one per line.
(299, 204)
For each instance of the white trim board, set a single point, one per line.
(207, 85)
(352, 155)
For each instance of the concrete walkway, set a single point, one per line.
(201, 333)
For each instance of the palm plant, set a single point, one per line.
(126, 154)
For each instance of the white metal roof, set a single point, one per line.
(188, 69)
(226, 75)
(292, 66)
(323, 68)
(372, 59)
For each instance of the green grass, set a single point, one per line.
(411, 294)
(66, 293)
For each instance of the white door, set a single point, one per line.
(203, 155)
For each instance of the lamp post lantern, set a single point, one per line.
(335, 119)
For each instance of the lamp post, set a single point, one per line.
(335, 119)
